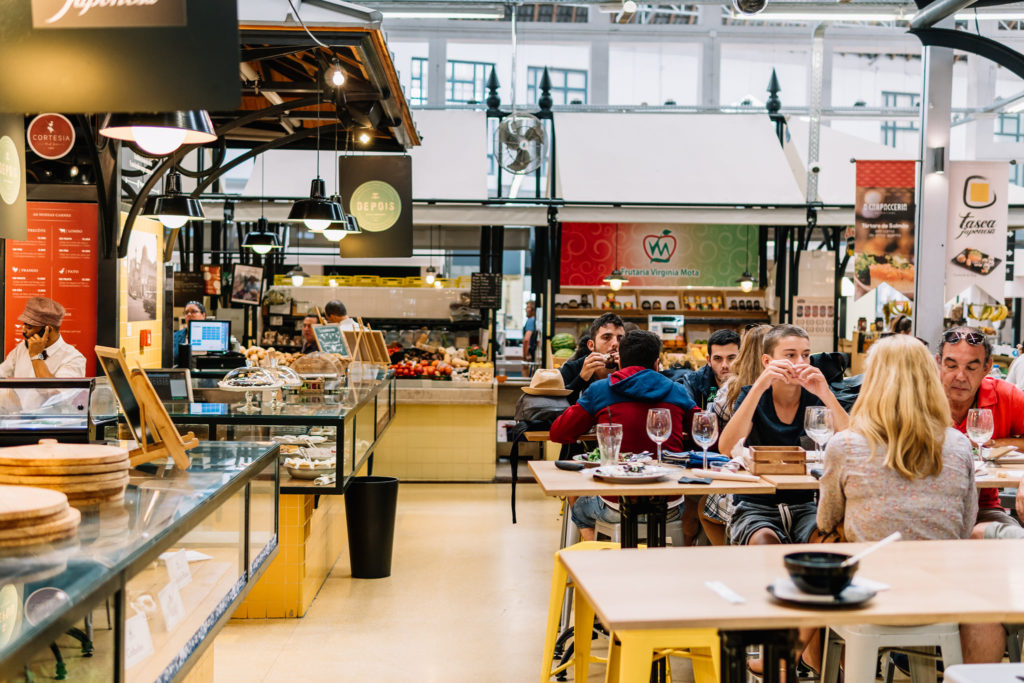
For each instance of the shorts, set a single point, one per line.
(717, 508)
(791, 523)
(1004, 531)
(587, 510)
(998, 515)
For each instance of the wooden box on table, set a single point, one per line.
(777, 460)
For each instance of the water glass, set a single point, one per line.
(818, 425)
(659, 426)
(980, 426)
(609, 439)
(705, 431)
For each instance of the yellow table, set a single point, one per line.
(966, 581)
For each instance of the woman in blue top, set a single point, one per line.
(193, 311)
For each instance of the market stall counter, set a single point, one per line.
(139, 593)
(314, 430)
(445, 431)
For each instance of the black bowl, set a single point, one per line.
(820, 573)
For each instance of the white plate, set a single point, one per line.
(619, 474)
(306, 473)
(784, 589)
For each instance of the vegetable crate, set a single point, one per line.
(778, 460)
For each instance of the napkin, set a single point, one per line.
(691, 459)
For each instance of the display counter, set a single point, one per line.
(443, 431)
(63, 409)
(142, 589)
(350, 420)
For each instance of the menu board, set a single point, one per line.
(330, 340)
(816, 314)
(58, 260)
(485, 290)
(188, 287)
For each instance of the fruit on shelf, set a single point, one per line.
(563, 341)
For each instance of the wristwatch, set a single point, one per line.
(41, 356)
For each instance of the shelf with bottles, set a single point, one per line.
(577, 302)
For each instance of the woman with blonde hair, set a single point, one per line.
(900, 466)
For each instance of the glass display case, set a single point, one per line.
(70, 410)
(345, 424)
(142, 589)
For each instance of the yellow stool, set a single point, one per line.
(630, 653)
(559, 581)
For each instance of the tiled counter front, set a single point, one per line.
(441, 432)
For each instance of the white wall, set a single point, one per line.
(651, 73)
(746, 69)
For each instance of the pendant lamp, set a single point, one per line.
(261, 240)
(173, 208)
(616, 279)
(162, 133)
(297, 274)
(317, 212)
(746, 280)
(431, 275)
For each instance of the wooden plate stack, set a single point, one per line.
(30, 515)
(86, 473)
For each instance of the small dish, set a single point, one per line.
(786, 592)
(630, 474)
(310, 473)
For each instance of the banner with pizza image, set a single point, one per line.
(885, 223)
(977, 224)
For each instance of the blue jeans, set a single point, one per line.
(587, 510)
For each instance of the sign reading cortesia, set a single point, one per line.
(58, 14)
(50, 136)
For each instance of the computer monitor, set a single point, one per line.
(209, 336)
(171, 384)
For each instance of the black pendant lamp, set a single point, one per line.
(261, 240)
(162, 133)
(172, 208)
(317, 212)
(616, 279)
(746, 281)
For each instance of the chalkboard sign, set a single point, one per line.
(485, 290)
(188, 287)
(330, 340)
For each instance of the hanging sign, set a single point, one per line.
(56, 14)
(51, 136)
(377, 190)
(816, 314)
(884, 238)
(12, 177)
(976, 234)
(657, 254)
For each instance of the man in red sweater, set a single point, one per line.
(624, 398)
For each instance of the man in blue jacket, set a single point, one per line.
(723, 347)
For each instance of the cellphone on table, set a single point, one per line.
(569, 465)
(694, 480)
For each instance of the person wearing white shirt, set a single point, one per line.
(337, 314)
(44, 354)
(1015, 375)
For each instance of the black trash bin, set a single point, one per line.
(370, 504)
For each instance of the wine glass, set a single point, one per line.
(659, 426)
(609, 438)
(980, 426)
(705, 431)
(819, 427)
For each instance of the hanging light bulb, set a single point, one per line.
(158, 141)
(364, 138)
(616, 280)
(332, 282)
(335, 232)
(431, 275)
(298, 275)
(173, 208)
(336, 75)
(317, 224)
(261, 240)
(160, 134)
(746, 281)
(438, 284)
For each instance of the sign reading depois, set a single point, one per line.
(51, 136)
(72, 14)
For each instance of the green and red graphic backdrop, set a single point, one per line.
(658, 254)
(58, 260)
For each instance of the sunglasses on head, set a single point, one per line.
(957, 336)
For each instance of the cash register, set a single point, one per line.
(209, 346)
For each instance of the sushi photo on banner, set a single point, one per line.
(885, 223)
(976, 234)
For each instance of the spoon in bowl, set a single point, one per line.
(870, 549)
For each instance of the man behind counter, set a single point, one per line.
(336, 314)
(44, 353)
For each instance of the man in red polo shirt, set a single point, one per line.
(965, 359)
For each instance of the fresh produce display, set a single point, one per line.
(481, 372)
(563, 341)
(423, 369)
(563, 353)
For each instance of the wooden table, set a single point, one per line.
(636, 499)
(965, 581)
(1005, 477)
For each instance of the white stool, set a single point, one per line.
(984, 673)
(864, 640)
(673, 531)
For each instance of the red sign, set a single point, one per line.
(211, 279)
(51, 136)
(58, 260)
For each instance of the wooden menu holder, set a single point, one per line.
(145, 414)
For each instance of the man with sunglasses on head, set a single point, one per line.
(965, 359)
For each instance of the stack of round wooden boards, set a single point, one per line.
(86, 473)
(29, 515)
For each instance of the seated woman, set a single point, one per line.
(902, 467)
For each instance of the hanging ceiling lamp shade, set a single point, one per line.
(162, 133)
(317, 212)
(261, 240)
(337, 231)
(616, 280)
(173, 208)
(298, 275)
(430, 275)
(746, 281)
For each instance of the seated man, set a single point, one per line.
(723, 348)
(771, 413)
(965, 359)
(603, 359)
(624, 398)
